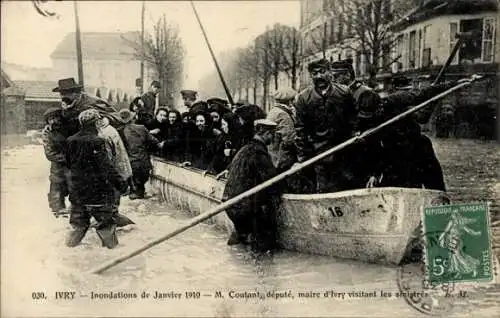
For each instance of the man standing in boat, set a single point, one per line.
(325, 118)
(254, 218)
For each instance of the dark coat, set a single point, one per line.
(323, 121)
(139, 143)
(173, 149)
(84, 102)
(251, 166)
(154, 124)
(400, 152)
(200, 147)
(220, 161)
(93, 177)
(55, 147)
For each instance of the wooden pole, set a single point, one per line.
(226, 89)
(78, 45)
(202, 217)
(141, 89)
(460, 39)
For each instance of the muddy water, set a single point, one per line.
(34, 259)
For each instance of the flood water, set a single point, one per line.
(35, 259)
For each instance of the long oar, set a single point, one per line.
(221, 77)
(218, 209)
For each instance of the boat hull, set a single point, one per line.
(372, 225)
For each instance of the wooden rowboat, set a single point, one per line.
(372, 225)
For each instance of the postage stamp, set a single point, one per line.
(463, 249)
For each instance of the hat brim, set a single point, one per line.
(67, 89)
(365, 115)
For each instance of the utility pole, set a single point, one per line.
(78, 45)
(142, 46)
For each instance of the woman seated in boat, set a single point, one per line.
(217, 109)
(173, 148)
(158, 127)
(200, 142)
(224, 150)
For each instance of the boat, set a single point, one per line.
(374, 225)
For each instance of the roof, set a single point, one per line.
(98, 45)
(432, 8)
(38, 90)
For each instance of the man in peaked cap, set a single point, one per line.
(282, 149)
(325, 118)
(189, 97)
(254, 218)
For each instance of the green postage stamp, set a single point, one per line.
(461, 250)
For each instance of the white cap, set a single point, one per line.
(264, 122)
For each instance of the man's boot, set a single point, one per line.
(76, 236)
(107, 234)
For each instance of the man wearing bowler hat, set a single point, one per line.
(75, 100)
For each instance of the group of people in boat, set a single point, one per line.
(99, 154)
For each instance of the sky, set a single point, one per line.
(28, 38)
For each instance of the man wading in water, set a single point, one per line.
(254, 218)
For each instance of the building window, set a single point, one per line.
(348, 31)
(357, 63)
(426, 51)
(340, 34)
(412, 50)
(386, 57)
(419, 48)
(471, 50)
(399, 52)
(453, 39)
(488, 39)
(332, 32)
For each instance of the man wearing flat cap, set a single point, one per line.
(75, 100)
(282, 149)
(189, 97)
(93, 182)
(325, 117)
(254, 218)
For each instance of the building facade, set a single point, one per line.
(109, 60)
(422, 35)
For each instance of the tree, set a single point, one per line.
(164, 52)
(275, 51)
(363, 28)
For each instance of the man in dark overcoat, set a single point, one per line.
(139, 144)
(147, 112)
(254, 218)
(325, 118)
(55, 146)
(93, 179)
